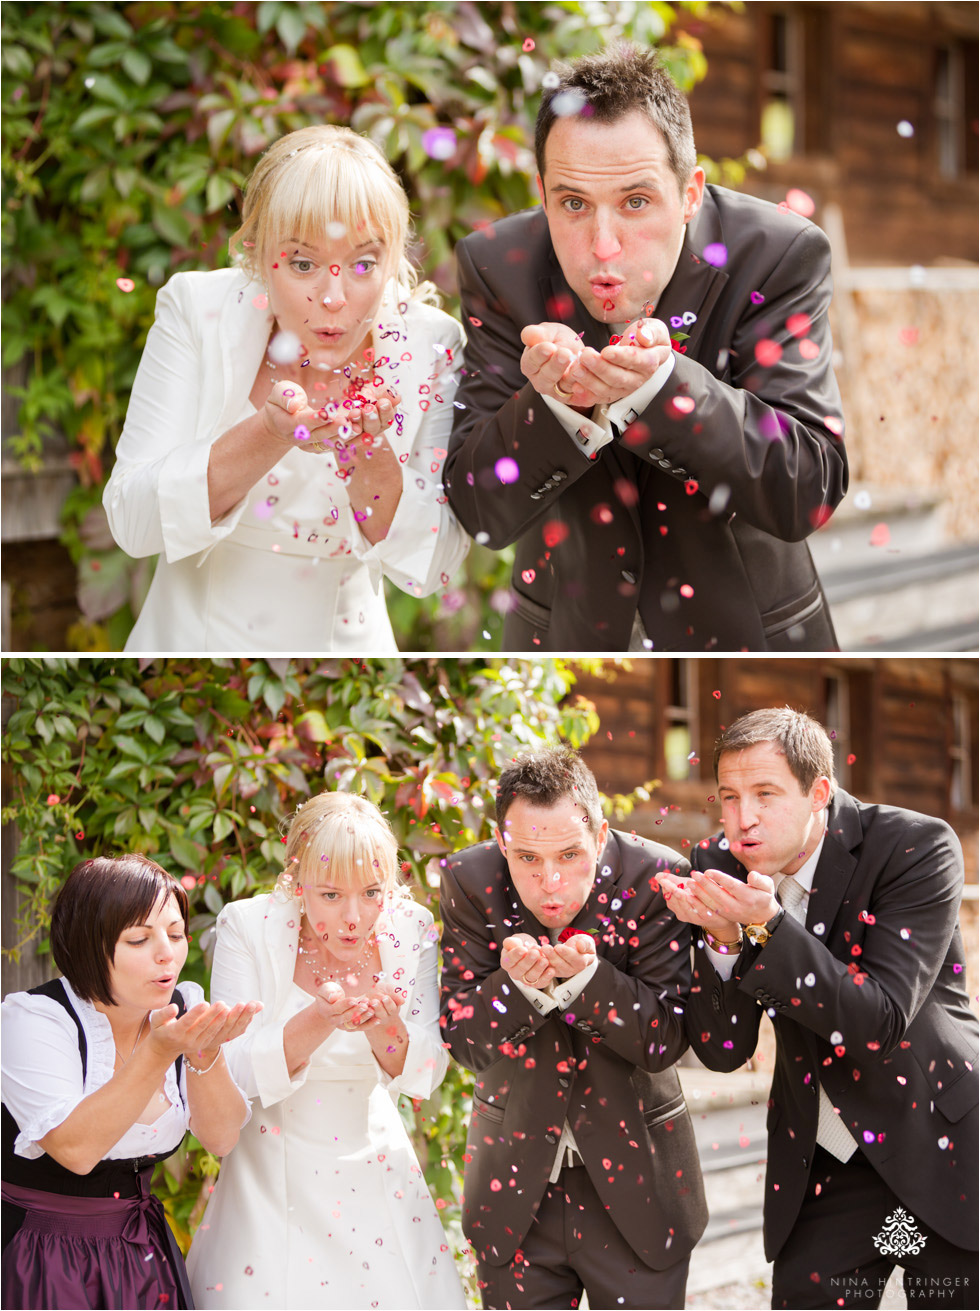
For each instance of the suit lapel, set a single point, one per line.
(835, 866)
(280, 938)
(696, 284)
(243, 331)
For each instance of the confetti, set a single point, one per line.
(507, 470)
(880, 535)
(439, 143)
(768, 352)
(716, 254)
(799, 202)
(125, 284)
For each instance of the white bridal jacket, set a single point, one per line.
(287, 568)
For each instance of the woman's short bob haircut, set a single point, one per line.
(342, 839)
(98, 901)
(318, 184)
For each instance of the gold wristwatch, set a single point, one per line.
(759, 934)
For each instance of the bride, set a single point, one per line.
(323, 1202)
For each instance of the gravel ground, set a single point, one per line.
(756, 1294)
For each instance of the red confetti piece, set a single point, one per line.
(799, 202)
(125, 284)
(809, 349)
(683, 404)
(880, 535)
(528, 45)
(528, 576)
(798, 324)
(261, 301)
(53, 798)
(554, 533)
(768, 352)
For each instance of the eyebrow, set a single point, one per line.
(642, 184)
(295, 241)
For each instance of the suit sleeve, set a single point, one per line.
(500, 416)
(482, 1008)
(257, 1059)
(157, 498)
(640, 1014)
(765, 442)
(867, 1002)
(426, 1060)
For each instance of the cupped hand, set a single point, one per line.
(572, 956)
(601, 377)
(292, 419)
(202, 1029)
(525, 961)
(341, 1010)
(550, 351)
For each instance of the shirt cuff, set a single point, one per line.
(591, 434)
(542, 1001)
(629, 408)
(723, 962)
(587, 434)
(566, 990)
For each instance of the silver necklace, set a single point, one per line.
(139, 1035)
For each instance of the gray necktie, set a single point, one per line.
(832, 1134)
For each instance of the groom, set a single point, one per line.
(562, 990)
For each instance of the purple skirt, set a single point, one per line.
(92, 1252)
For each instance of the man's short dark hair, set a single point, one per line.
(801, 739)
(546, 777)
(613, 83)
(98, 901)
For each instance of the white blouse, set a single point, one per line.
(42, 1073)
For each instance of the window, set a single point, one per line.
(837, 718)
(680, 719)
(962, 751)
(954, 106)
(780, 87)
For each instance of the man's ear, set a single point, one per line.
(820, 793)
(500, 842)
(693, 193)
(602, 836)
(540, 186)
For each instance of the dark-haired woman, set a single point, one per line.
(104, 1070)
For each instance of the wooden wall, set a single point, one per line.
(868, 67)
(894, 731)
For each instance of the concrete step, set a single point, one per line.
(914, 523)
(906, 600)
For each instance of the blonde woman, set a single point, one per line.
(285, 438)
(323, 1203)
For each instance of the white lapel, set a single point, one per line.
(279, 943)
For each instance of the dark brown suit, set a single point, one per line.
(604, 1065)
(718, 499)
(868, 999)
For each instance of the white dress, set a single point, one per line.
(287, 568)
(323, 1203)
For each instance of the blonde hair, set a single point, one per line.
(318, 177)
(342, 839)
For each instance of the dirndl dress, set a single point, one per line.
(86, 1240)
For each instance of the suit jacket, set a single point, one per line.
(604, 1064)
(718, 499)
(288, 567)
(868, 999)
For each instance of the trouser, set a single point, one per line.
(573, 1247)
(849, 1237)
